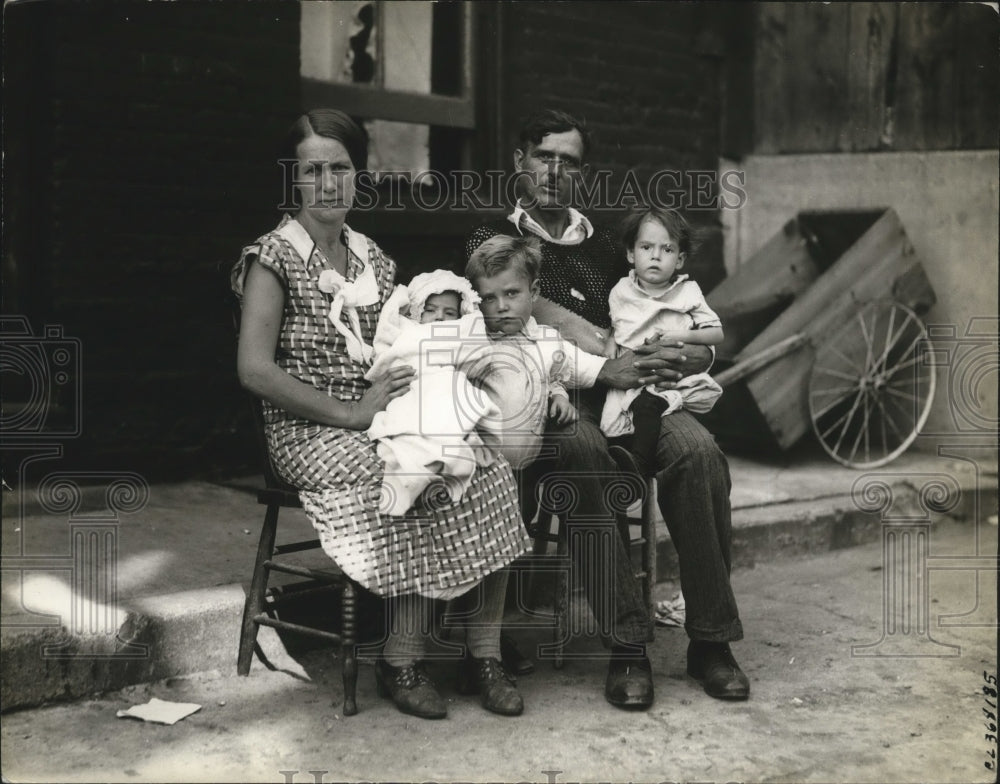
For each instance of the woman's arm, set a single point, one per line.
(260, 326)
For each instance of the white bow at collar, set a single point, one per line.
(348, 296)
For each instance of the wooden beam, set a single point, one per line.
(372, 104)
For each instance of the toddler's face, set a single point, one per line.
(507, 300)
(656, 255)
(446, 306)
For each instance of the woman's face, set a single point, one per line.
(324, 178)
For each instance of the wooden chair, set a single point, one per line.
(542, 536)
(263, 601)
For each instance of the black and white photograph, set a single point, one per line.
(499, 391)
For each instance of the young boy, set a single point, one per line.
(531, 365)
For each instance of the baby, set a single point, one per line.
(655, 302)
(430, 432)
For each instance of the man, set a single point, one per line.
(580, 265)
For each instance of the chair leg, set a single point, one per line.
(649, 549)
(258, 590)
(562, 604)
(348, 602)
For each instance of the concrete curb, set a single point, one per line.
(191, 631)
(161, 636)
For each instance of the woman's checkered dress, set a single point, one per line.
(441, 544)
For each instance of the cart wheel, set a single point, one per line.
(871, 386)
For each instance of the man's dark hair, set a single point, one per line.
(537, 126)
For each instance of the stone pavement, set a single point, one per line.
(169, 572)
(841, 692)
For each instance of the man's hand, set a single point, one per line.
(672, 360)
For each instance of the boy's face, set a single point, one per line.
(655, 254)
(507, 300)
(446, 306)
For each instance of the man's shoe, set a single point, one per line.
(513, 660)
(713, 664)
(410, 688)
(630, 682)
(488, 678)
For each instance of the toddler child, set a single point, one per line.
(656, 302)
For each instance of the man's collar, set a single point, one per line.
(579, 228)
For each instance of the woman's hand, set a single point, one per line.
(387, 386)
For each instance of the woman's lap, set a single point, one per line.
(439, 545)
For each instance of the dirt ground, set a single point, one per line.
(818, 712)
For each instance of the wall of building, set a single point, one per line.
(143, 159)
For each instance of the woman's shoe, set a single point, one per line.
(410, 688)
(488, 678)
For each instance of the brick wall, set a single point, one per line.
(146, 149)
(646, 77)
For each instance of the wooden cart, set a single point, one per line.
(823, 332)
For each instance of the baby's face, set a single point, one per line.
(445, 306)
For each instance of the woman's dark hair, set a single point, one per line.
(679, 229)
(332, 124)
(538, 126)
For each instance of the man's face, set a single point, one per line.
(546, 170)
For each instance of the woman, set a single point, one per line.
(311, 292)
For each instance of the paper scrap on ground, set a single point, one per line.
(670, 612)
(161, 711)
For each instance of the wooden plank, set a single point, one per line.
(760, 360)
(771, 104)
(817, 76)
(871, 28)
(763, 285)
(977, 110)
(925, 87)
(870, 269)
(441, 110)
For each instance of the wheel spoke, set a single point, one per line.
(847, 359)
(850, 417)
(901, 393)
(888, 338)
(837, 373)
(868, 342)
(863, 431)
(899, 334)
(891, 421)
